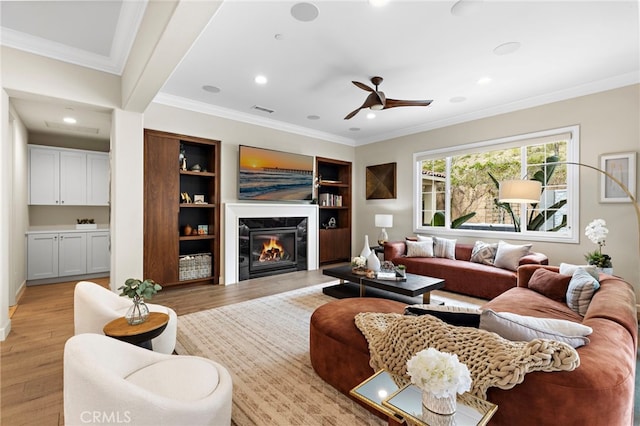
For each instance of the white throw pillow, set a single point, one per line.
(581, 289)
(420, 248)
(508, 255)
(569, 269)
(525, 328)
(444, 247)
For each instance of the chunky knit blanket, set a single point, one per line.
(491, 360)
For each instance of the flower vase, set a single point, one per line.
(608, 271)
(366, 250)
(444, 406)
(138, 312)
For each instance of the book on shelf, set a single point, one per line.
(331, 200)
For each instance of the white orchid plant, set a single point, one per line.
(597, 232)
(440, 373)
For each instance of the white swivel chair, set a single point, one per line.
(110, 382)
(94, 306)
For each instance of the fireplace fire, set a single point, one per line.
(272, 251)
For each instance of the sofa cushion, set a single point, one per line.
(454, 315)
(525, 328)
(549, 283)
(444, 247)
(420, 248)
(508, 255)
(569, 269)
(484, 253)
(581, 289)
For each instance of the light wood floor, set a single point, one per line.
(31, 356)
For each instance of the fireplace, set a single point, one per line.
(270, 246)
(233, 212)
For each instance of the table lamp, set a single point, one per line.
(383, 221)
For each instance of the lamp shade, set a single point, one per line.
(384, 220)
(520, 191)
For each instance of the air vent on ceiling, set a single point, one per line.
(72, 127)
(262, 109)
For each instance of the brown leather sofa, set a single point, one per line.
(599, 392)
(461, 275)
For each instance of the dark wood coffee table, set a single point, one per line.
(413, 286)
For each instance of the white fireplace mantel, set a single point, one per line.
(235, 211)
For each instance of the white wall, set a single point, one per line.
(608, 123)
(234, 133)
(5, 205)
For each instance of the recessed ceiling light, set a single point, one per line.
(305, 12)
(484, 80)
(371, 116)
(506, 48)
(457, 99)
(278, 36)
(466, 7)
(212, 89)
(378, 3)
(313, 117)
(260, 79)
(69, 120)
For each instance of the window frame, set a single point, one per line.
(573, 187)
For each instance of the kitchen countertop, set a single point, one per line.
(64, 228)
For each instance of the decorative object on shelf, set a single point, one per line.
(359, 265)
(441, 377)
(597, 232)
(383, 221)
(381, 181)
(182, 158)
(331, 224)
(203, 229)
(185, 198)
(138, 291)
(198, 199)
(187, 229)
(196, 168)
(86, 224)
(373, 262)
(366, 250)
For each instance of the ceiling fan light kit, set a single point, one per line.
(377, 100)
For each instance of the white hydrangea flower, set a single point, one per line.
(439, 373)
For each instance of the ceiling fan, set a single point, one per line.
(377, 100)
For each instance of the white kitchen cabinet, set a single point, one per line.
(98, 252)
(98, 179)
(72, 253)
(70, 177)
(42, 256)
(63, 254)
(73, 178)
(44, 176)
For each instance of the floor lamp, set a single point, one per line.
(528, 191)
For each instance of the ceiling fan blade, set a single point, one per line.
(352, 113)
(363, 86)
(392, 103)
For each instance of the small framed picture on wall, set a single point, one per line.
(620, 167)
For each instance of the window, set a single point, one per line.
(456, 189)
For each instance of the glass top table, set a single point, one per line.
(382, 393)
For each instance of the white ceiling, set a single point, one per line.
(421, 48)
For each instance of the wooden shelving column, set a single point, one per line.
(166, 215)
(334, 201)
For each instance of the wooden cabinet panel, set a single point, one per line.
(44, 176)
(73, 178)
(334, 246)
(42, 256)
(72, 254)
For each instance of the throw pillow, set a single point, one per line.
(484, 253)
(569, 269)
(419, 248)
(508, 255)
(550, 284)
(525, 328)
(423, 238)
(454, 315)
(581, 289)
(444, 247)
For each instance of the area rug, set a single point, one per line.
(264, 343)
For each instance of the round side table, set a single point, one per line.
(139, 334)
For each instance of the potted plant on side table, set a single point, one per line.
(138, 291)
